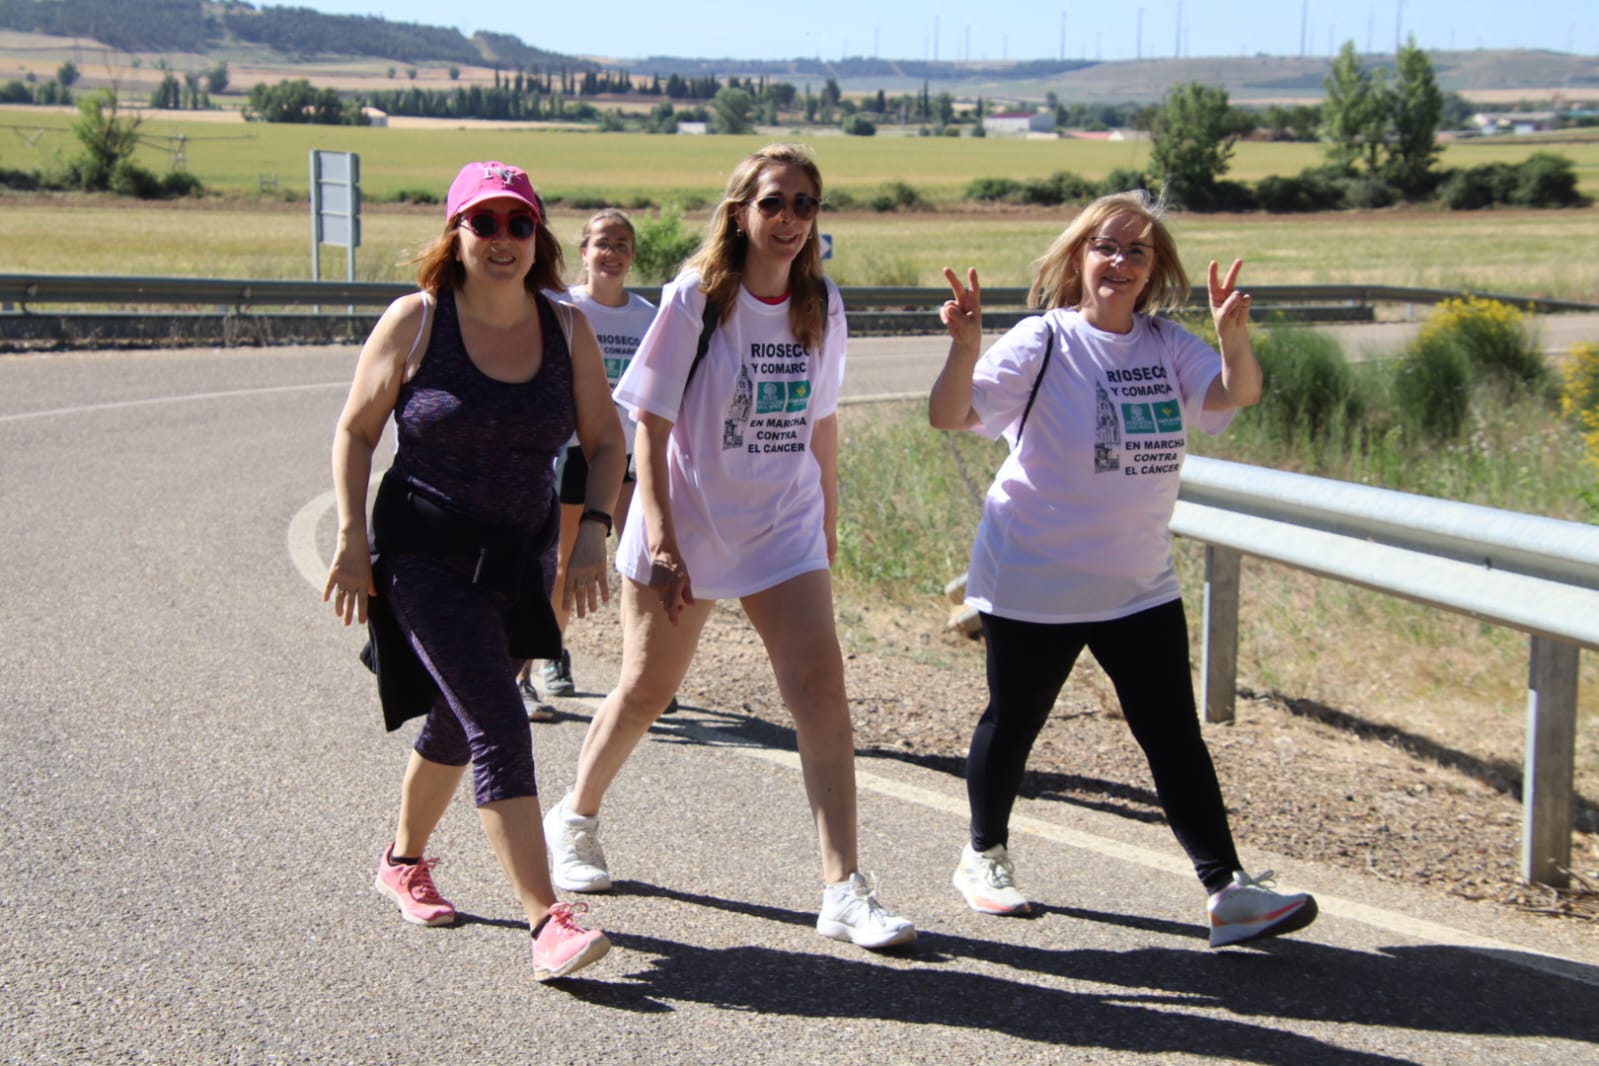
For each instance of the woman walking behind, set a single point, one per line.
(738, 498)
(1096, 398)
(484, 381)
(619, 319)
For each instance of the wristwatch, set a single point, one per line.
(594, 514)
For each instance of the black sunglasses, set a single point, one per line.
(486, 224)
(804, 206)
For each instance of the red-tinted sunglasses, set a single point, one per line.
(490, 224)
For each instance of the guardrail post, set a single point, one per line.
(1546, 790)
(1219, 670)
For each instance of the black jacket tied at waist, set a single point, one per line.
(503, 559)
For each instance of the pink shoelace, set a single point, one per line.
(419, 882)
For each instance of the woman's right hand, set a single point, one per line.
(350, 582)
(670, 581)
(962, 314)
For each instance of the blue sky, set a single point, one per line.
(1020, 29)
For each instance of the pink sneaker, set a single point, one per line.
(563, 947)
(412, 890)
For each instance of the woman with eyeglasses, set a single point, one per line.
(485, 378)
(735, 389)
(620, 319)
(1096, 398)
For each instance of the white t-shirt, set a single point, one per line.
(744, 488)
(619, 329)
(1076, 524)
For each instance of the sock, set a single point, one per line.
(540, 927)
(395, 860)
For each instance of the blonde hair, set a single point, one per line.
(1057, 274)
(596, 220)
(720, 256)
(439, 264)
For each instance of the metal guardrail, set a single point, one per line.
(29, 291)
(67, 311)
(1537, 575)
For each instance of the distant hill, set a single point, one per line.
(220, 28)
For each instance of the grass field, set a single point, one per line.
(234, 157)
(1527, 253)
(254, 234)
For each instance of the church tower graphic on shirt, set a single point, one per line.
(1107, 433)
(738, 411)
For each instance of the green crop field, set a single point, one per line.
(235, 156)
(254, 234)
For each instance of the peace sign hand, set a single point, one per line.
(962, 315)
(1229, 309)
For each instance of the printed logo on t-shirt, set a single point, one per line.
(618, 349)
(1144, 423)
(771, 404)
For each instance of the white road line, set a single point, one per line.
(157, 400)
(308, 561)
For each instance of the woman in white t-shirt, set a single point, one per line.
(620, 319)
(1096, 397)
(738, 498)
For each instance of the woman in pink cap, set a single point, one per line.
(485, 379)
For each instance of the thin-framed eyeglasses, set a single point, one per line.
(610, 247)
(1137, 254)
(490, 224)
(803, 206)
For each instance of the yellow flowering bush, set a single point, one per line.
(1579, 400)
(1496, 339)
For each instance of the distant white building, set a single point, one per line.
(697, 128)
(1019, 123)
(374, 117)
(1491, 122)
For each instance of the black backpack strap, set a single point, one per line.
(1049, 347)
(708, 323)
(712, 318)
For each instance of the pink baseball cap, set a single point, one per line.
(487, 181)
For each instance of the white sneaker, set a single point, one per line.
(576, 862)
(988, 881)
(850, 911)
(1248, 910)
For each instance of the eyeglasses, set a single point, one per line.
(1136, 254)
(607, 248)
(490, 224)
(803, 207)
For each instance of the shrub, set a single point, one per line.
(1496, 340)
(839, 201)
(898, 196)
(1309, 389)
(1432, 389)
(1579, 400)
(1477, 187)
(859, 126)
(1369, 191)
(180, 183)
(1059, 188)
(127, 179)
(1545, 179)
(1123, 179)
(1232, 196)
(26, 180)
(988, 190)
(416, 196)
(661, 245)
(1281, 195)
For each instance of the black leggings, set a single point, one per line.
(1146, 657)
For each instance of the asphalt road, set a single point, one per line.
(196, 788)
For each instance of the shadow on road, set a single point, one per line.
(1144, 1000)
